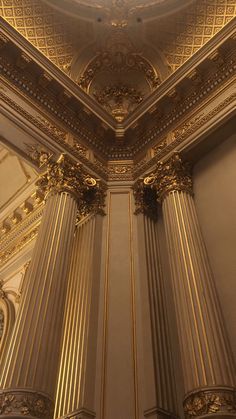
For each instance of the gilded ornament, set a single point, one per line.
(211, 84)
(173, 175)
(25, 403)
(53, 128)
(119, 62)
(118, 100)
(145, 197)
(65, 175)
(210, 400)
(149, 180)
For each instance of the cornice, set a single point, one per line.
(88, 104)
(176, 100)
(20, 236)
(180, 74)
(57, 136)
(189, 132)
(52, 70)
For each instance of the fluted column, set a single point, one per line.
(162, 358)
(29, 374)
(76, 382)
(206, 357)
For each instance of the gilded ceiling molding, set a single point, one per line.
(166, 116)
(118, 100)
(19, 242)
(120, 170)
(178, 136)
(78, 150)
(165, 122)
(122, 60)
(131, 77)
(20, 213)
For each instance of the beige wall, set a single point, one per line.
(215, 197)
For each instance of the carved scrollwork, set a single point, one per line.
(145, 199)
(26, 403)
(118, 100)
(171, 176)
(217, 400)
(64, 175)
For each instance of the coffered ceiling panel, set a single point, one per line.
(183, 34)
(48, 30)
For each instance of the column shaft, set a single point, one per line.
(207, 361)
(206, 356)
(75, 397)
(33, 355)
(164, 376)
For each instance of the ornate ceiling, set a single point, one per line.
(117, 92)
(118, 51)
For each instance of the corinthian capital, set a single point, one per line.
(170, 176)
(65, 175)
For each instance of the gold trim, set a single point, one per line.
(106, 307)
(133, 309)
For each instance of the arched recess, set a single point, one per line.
(7, 317)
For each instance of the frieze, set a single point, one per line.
(195, 98)
(46, 100)
(120, 170)
(53, 128)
